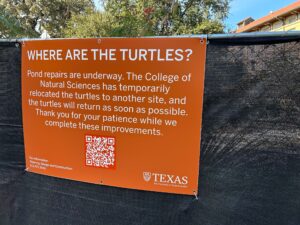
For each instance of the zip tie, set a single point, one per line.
(196, 197)
(27, 169)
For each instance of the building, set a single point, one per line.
(285, 19)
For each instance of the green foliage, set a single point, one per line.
(169, 17)
(95, 24)
(10, 27)
(151, 18)
(32, 16)
(79, 18)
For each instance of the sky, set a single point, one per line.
(241, 9)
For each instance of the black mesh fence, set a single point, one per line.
(250, 150)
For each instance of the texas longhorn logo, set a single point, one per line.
(166, 179)
(147, 176)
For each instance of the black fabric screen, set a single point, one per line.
(250, 150)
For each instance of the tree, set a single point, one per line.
(152, 17)
(169, 17)
(10, 27)
(96, 24)
(34, 16)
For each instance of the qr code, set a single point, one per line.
(100, 151)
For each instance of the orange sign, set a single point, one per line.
(123, 112)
